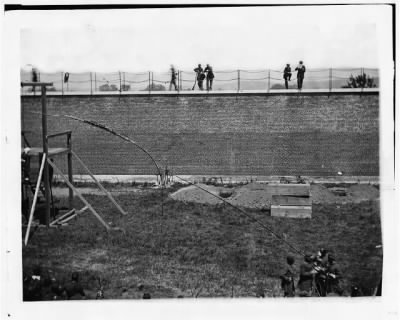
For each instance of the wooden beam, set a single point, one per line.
(66, 180)
(122, 211)
(35, 199)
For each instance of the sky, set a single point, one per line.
(226, 38)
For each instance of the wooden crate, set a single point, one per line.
(291, 206)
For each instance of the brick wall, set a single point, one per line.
(228, 135)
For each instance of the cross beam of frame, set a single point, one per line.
(122, 211)
(87, 204)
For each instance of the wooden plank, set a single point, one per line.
(291, 201)
(35, 199)
(36, 151)
(300, 212)
(79, 195)
(122, 211)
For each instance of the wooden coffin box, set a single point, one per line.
(292, 201)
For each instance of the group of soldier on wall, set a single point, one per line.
(319, 276)
(208, 75)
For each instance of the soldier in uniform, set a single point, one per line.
(334, 275)
(307, 272)
(320, 265)
(287, 279)
(74, 289)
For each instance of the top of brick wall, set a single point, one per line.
(352, 91)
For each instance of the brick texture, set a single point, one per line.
(211, 135)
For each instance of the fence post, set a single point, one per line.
(123, 74)
(238, 78)
(62, 83)
(95, 82)
(149, 82)
(180, 80)
(91, 85)
(269, 79)
(330, 80)
(120, 82)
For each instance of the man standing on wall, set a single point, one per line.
(301, 70)
(287, 74)
(173, 78)
(210, 76)
(200, 76)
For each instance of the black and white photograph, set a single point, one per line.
(236, 157)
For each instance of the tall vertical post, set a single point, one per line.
(46, 152)
(269, 80)
(62, 83)
(95, 82)
(238, 80)
(120, 81)
(124, 84)
(330, 80)
(149, 82)
(180, 79)
(70, 177)
(91, 85)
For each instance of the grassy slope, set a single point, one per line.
(202, 250)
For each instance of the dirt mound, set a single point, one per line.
(355, 193)
(253, 195)
(321, 194)
(194, 194)
(361, 192)
(259, 196)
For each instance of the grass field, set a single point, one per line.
(201, 250)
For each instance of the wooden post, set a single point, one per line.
(70, 176)
(120, 82)
(100, 185)
(269, 80)
(62, 83)
(179, 80)
(149, 82)
(95, 82)
(46, 153)
(44, 161)
(91, 86)
(123, 74)
(87, 204)
(239, 79)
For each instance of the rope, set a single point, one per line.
(123, 137)
(147, 80)
(247, 215)
(265, 78)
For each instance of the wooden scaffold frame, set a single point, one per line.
(44, 154)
